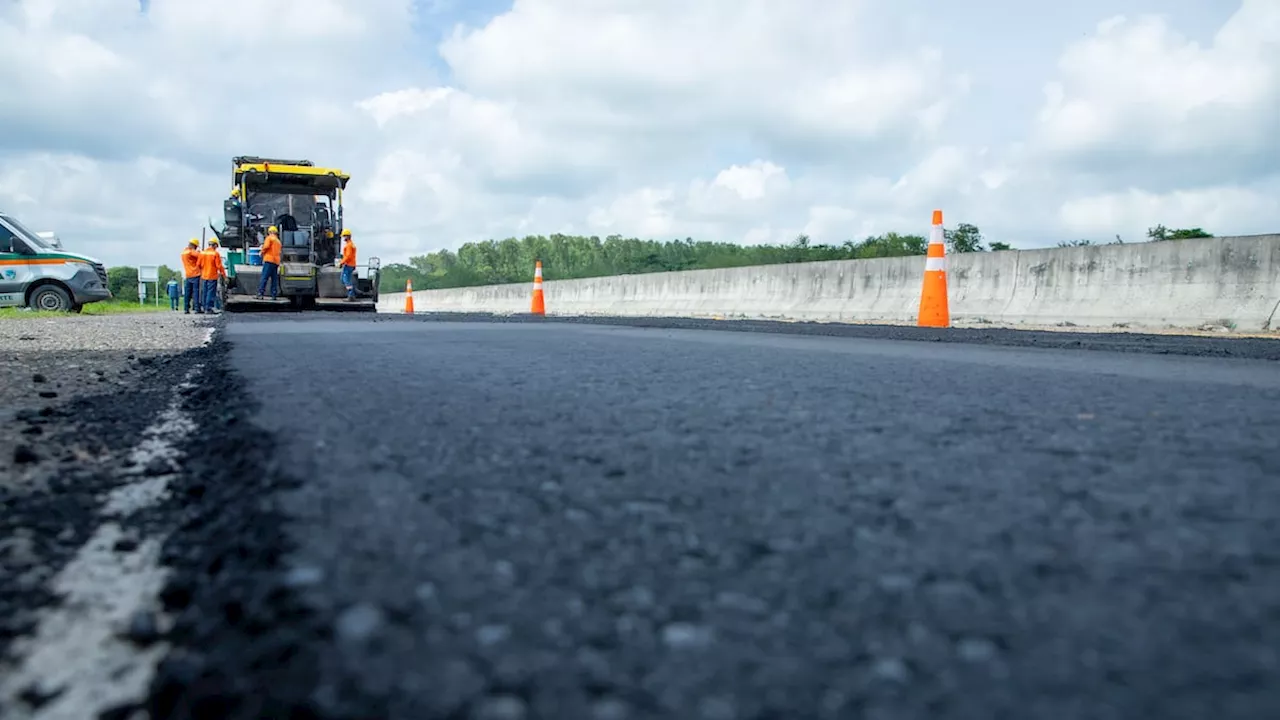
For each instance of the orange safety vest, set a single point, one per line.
(271, 250)
(349, 254)
(191, 263)
(211, 265)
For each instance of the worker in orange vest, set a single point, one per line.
(191, 276)
(270, 263)
(211, 270)
(348, 264)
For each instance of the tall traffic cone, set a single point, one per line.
(934, 311)
(408, 296)
(539, 304)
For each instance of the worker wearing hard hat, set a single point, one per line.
(211, 270)
(348, 264)
(191, 276)
(270, 263)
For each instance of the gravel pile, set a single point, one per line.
(46, 363)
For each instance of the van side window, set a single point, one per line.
(8, 242)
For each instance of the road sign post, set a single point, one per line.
(148, 274)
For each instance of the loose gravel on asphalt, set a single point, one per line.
(45, 362)
(77, 397)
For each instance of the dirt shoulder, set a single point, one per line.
(46, 363)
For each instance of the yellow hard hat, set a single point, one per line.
(272, 229)
(346, 232)
(213, 243)
(235, 191)
(193, 241)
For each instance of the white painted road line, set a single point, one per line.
(78, 652)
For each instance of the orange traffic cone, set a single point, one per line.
(934, 311)
(408, 296)
(539, 304)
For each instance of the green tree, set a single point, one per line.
(167, 273)
(1160, 232)
(997, 246)
(123, 282)
(1075, 243)
(964, 238)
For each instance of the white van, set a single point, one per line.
(38, 273)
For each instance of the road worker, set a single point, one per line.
(348, 264)
(172, 288)
(191, 276)
(211, 271)
(270, 263)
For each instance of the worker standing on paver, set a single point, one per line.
(270, 263)
(211, 271)
(191, 276)
(172, 287)
(348, 263)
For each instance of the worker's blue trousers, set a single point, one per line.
(272, 271)
(191, 295)
(210, 294)
(349, 280)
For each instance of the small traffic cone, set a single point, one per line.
(934, 311)
(539, 304)
(408, 296)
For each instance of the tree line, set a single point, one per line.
(566, 257)
(1155, 234)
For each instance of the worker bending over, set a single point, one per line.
(211, 270)
(191, 276)
(348, 263)
(270, 263)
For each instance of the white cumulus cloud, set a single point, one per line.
(738, 120)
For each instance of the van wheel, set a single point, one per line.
(50, 298)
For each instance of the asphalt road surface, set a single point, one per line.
(396, 517)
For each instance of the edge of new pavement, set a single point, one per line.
(149, 572)
(243, 642)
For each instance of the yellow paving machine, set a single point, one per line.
(304, 203)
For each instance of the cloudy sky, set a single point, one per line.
(739, 120)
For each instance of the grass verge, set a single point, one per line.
(109, 307)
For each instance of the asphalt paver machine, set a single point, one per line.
(304, 203)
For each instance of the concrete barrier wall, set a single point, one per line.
(1231, 281)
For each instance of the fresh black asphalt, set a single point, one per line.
(605, 518)
(560, 520)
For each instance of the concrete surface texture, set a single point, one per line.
(1229, 282)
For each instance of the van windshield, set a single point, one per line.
(29, 237)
